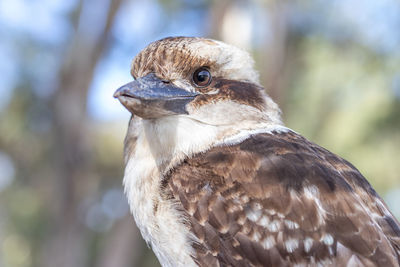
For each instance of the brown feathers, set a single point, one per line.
(169, 55)
(241, 92)
(276, 200)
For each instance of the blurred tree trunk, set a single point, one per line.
(273, 58)
(67, 243)
(272, 55)
(218, 11)
(119, 248)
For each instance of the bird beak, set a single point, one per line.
(150, 98)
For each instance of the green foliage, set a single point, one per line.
(342, 98)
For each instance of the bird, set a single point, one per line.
(213, 177)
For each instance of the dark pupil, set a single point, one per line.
(202, 76)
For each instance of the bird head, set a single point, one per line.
(202, 79)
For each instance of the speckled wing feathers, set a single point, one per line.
(279, 200)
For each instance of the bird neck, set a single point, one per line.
(170, 140)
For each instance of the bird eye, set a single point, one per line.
(202, 77)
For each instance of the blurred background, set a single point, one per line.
(332, 66)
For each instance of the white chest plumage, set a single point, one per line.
(157, 149)
(158, 221)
